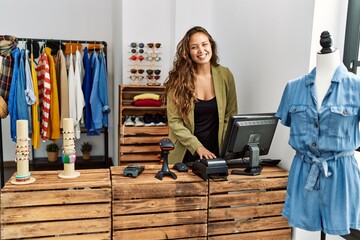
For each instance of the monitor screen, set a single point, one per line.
(249, 135)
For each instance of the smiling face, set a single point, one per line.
(200, 48)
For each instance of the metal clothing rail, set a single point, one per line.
(63, 41)
(106, 136)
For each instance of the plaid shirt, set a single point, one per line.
(7, 44)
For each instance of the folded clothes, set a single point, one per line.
(147, 96)
(147, 102)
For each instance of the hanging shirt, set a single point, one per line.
(29, 90)
(7, 44)
(94, 62)
(79, 96)
(43, 75)
(103, 87)
(72, 90)
(12, 103)
(323, 191)
(99, 98)
(54, 123)
(61, 76)
(22, 106)
(17, 101)
(35, 108)
(86, 87)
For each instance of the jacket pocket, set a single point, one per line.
(342, 121)
(298, 117)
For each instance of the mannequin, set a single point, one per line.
(323, 192)
(327, 61)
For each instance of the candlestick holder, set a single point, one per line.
(68, 153)
(23, 176)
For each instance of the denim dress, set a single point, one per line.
(323, 191)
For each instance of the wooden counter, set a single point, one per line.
(147, 208)
(249, 207)
(94, 207)
(51, 207)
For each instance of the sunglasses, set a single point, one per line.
(134, 50)
(156, 59)
(156, 71)
(134, 71)
(135, 45)
(150, 77)
(134, 58)
(151, 45)
(135, 77)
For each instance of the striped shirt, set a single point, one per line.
(43, 74)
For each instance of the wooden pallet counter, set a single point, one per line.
(55, 208)
(147, 208)
(249, 207)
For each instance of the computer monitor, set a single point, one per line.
(249, 135)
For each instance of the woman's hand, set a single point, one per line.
(204, 153)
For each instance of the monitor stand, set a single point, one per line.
(254, 167)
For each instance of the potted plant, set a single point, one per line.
(52, 150)
(86, 148)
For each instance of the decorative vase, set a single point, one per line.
(52, 156)
(86, 155)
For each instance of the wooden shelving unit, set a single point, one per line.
(139, 144)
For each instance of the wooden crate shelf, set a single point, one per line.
(139, 144)
(55, 208)
(147, 208)
(249, 207)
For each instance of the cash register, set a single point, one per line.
(212, 168)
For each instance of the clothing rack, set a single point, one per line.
(65, 41)
(106, 136)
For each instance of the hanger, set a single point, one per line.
(94, 46)
(44, 46)
(70, 47)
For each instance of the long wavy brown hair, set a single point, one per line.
(181, 80)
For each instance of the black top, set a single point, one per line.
(206, 120)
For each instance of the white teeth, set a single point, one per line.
(203, 56)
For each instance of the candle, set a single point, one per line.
(68, 136)
(22, 148)
(69, 154)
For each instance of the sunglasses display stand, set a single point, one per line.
(145, 64)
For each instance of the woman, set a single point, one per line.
(200, 96)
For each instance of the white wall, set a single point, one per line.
(66, 19)
(328, 16)
(265, 44)
(146, 22)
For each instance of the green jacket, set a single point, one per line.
(182, 134)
